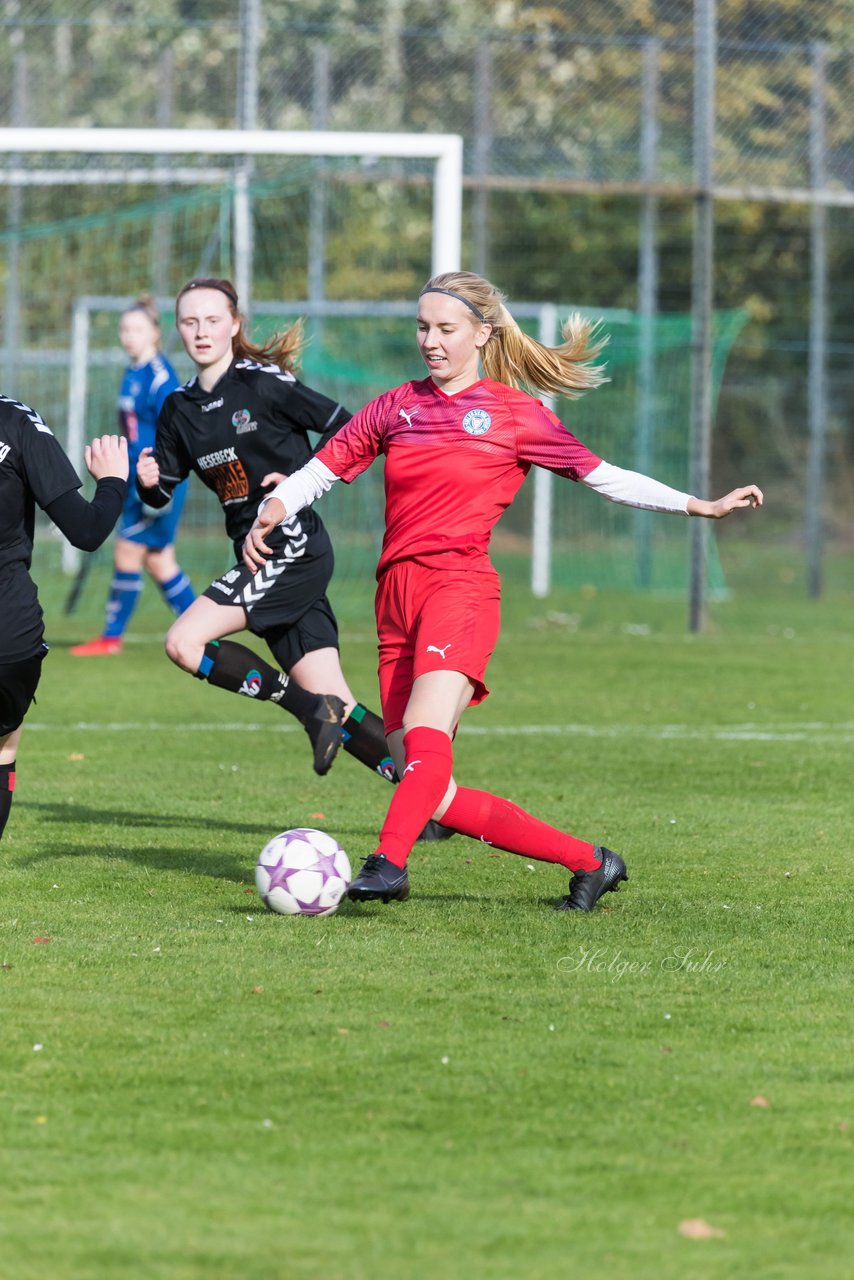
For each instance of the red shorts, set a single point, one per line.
(435, 619)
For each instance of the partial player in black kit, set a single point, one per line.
(35, 471)
(242, 424)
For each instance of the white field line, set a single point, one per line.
(808, 731)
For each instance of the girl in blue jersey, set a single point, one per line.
(145, 537)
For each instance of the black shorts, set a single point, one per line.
(285, 603)
(18, 684)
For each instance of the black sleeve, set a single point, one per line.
(171, 458)
(299, 405)
(159, 496)
(87, 524)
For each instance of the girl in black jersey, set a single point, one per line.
(34, 470)
(241, 424)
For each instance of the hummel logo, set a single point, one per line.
(408, 416)
(432, 648)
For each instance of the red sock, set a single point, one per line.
(429, 760)
(504, 825)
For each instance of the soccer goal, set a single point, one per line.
(100, 215)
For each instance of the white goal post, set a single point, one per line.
(445, 149)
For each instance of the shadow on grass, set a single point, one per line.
(57, 812)
(189, 858)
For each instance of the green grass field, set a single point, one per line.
(466, 1086)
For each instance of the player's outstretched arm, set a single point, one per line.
(107, 456)
(255, 549)
(749, 495)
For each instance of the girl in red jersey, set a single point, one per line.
(457, 446)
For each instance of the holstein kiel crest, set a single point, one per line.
(477, 422)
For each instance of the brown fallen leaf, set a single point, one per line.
(699, 1229)
(41, 939)
(343, 1031)
(759, 1101)
(256, 991)
(320, 817)
(77, 755)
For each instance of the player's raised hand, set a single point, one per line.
(148, 470)
(750, 495)
(107, 456)
(255, 549)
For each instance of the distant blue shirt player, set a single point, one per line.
(145, 537)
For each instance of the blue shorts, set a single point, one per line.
(142, 524)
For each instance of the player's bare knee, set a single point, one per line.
(178, 649)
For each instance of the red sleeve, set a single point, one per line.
(544, 441)
(352, 449)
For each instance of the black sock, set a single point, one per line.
(364, 737)
(7, 786)
(232, 666)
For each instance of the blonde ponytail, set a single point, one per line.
(518, 360)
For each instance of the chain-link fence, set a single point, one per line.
(583, 135)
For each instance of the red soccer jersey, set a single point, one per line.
(453, 463)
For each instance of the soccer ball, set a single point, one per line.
(302, 872)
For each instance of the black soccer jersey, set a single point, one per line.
(33, 470)
(254, 421)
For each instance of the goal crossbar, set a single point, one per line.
(445, 149)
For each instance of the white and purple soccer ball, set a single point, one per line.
(302, 872)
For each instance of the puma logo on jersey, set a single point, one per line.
(408, 416)
(432, 648)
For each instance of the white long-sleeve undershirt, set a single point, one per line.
(631, 489)
(303, 487)
(628, 488)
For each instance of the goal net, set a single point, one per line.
(345, 241)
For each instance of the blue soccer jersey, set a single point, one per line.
(141, 397)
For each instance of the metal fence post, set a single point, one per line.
(705, 55)
(647, 296)
(817, 367)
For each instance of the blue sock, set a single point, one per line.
(121, 602)
(178, 592)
